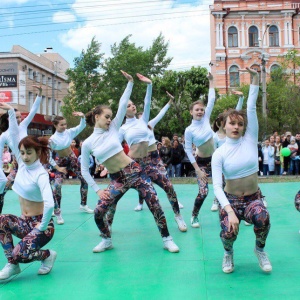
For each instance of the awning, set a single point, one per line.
(38, 118)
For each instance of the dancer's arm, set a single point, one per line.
(147, 100)
(163, 111)
(240, 103)
(211, 96)
(76, 130)
(123, 101)
(25, 123)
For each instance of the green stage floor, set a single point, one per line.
(139, 268)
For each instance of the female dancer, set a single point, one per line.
(35, 226)
(241, 197)
(200, 134)
(124, 172)
(155, 168)
(136, 133)
(220, 135)
(6, 138)
(60, 142)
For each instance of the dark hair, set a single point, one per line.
(4, 121)
(235, 114)
(90, 116)
(218, 122)
(39, 144)
(196, 103)
(57, 119)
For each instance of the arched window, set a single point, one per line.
(274, 68)
(257, 68)
(273, 36)
(232, 37)
(253, 37)
(234, 76)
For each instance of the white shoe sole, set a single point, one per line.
(103, 249)
(172, 250)
(44, 271)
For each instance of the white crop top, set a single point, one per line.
(135, 130)
(218, 142)
(104, 144)
(237, 158)
(199, 132)
(63, 140)
(32, 182)
(153, 122)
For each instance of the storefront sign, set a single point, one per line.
(8, 81)
(6, 96)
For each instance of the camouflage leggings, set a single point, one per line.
(29, 248)
(71, 163)
(252, 210)
(121, 182)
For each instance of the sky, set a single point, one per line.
(68, 26)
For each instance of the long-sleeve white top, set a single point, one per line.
(152, 123)
(200, 132)
(102, 143)
(237, 158)
(32, 182)
(135, 130)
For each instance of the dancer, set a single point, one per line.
(35, 226)
(200, 134)
(124, 172)
(8, 139)
(220, 135)
(60, 142)
(297, 202)
(241, 197)
(155, 168)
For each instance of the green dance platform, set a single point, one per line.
(139, 268)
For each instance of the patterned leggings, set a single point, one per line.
(297, 201)
(3, 181)
(28, 249)
(205, 166)
(121, 182)
(71, 163)
(155, 169)
(252, 210)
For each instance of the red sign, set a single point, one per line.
(6, 96)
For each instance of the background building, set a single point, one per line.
(20, 69)
(249, 33)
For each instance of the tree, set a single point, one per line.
(187, 87)
(86, 85)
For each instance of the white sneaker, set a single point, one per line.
(59, 220)
(227, 264)
(53, 215)
(86, 209)
(195, 222)
(9, 270)
(263, 260)
(105, 244)
(180, 222)
(170, 245)
(265, 203)
(214, 207)
(139, 207)
(247, 224)
(180, 205)
(47, 263)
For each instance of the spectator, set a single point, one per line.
(260, 159)
(6, 154)
(294, 162)
(286, 159)
(178, 154)
(6, 167)
(268, 158)
(159, 145)
(278, 163)
(166, 154)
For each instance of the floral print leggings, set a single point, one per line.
(71, 163)
(155, 169)
(205, 166)
(121, 182)
(297, 201)
(252, 210)
(29, 248)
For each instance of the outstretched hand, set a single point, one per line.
(5, 106)
(210, 76)
(143, 78)
(239, 93)
(39, 89)
(78, 114)
(128, 77)
(171, 97)
(251, 71)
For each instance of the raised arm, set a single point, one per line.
(124, 101)
(240, 103)
(34, 108)
(211, 96)
(76, 130)
(147, 100)
(163, 111)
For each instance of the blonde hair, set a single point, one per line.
(167, 142)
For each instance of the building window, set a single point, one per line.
(38, 77)
(44, 79)
(234, 76)
(30, 73)
(273, 36)
(30, 100)
(59, 108)
(59, 85)
(256, 68)
(49, 81)
(253, 37)
(232, 37)
(49, 106)
(44, 106)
